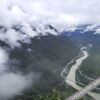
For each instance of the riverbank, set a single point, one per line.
(67, 68)
(70, 79)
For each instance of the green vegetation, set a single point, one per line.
(54, 95)
(90, 67)
(47, 57)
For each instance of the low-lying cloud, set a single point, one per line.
(11, 83)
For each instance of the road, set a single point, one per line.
(86, 90)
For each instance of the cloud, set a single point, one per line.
(11, 83)
(52, 11)
(3, 56)
(3, 60)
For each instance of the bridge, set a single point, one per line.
(85, 90)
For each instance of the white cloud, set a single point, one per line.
(10, 37)
(3, 60)
(97, 31)
(59, 11)
(3, 56)
(12, 84)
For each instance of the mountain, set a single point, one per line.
(45, 53)
(89, 36)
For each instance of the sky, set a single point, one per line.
(62, 12)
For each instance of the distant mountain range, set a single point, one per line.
(45, 51)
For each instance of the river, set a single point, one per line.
(70, 79)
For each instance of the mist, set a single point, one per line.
(11, 83)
